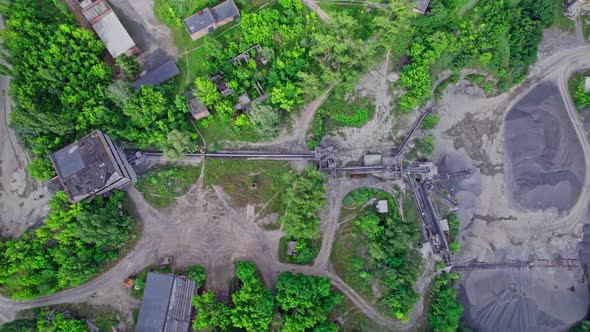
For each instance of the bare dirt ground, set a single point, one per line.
(153, 38)
(203, 227)
(377, 134)
(494, 228)
(23, 201)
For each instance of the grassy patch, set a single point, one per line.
(220, 132)
(341, 109)
(191, 63)
(576, 89)
(237, 176)
(372, 246)
(162, 185)
(352, 319)
(585, 20)
(348, 255)
(481, 81)
(307, 251)
(560, 21)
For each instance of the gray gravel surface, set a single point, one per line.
(547, 164)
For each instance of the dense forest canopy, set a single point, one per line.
(63, 89)
(68, 249)
(302, 303)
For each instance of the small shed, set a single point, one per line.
(292, 248)
(159, 75)
(382, 206)
(587, 84)
(444, 225)
(196, 107)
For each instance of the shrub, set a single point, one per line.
(129, 65)
(41, 169)
(430, 121)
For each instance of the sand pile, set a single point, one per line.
(546, 164)
(523, 300)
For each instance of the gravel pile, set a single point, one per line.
(546, 163)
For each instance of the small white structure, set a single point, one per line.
(292, 248)
(382, 206)
(587, 84)
(444, 225)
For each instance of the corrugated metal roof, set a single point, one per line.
(167, 304)
(95, 10)
(154, 306)
(113, 34)
(159, 75)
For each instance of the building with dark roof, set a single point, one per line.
(207, 20)
(166, 304)
(420, 6)
(108, 27)
(90, 167)
(159, 75)
(196, 107)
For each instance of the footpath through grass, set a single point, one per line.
(162, 185)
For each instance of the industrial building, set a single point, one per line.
(108, 27)
(166, 304)
(91, 166)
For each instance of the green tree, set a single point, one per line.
(129, 65)
(286, 96)
(430, 121)
(266, 120)
(206, 91)
(41, 169)
(119, 92)
(211, 315)
(253, 303)
(19, 325)
(145, 106)
(446, 311)
(179, 143)
(103, 225)
(304, 199)
(305, 301)
(198, 274)
(582, 327)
